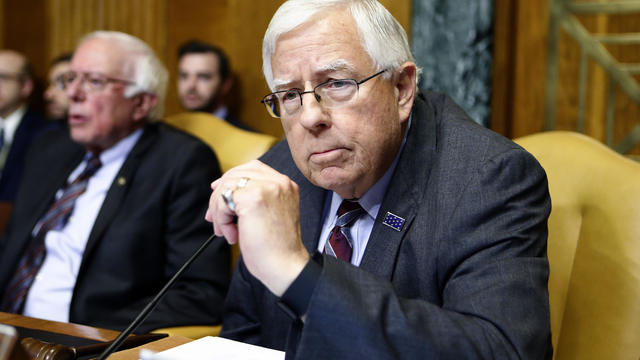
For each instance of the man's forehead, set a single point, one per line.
(11, 61)
(335, 66)
(99, 55)
(199, 60)
(59, 69)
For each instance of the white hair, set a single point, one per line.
(149, 74)
(382, 37)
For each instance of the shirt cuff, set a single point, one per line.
(296, 298)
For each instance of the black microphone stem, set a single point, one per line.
(145, 312)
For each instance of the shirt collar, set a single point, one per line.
(120, 149)
(10, 123)
(221, 112)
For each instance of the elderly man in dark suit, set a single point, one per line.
(388, 225)
(19, 124)
(111, 208)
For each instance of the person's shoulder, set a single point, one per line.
(279, 157)
(173, 145)
(237, 123)
(54, 137)
(174, 138)
(36, 122)
(458, 132)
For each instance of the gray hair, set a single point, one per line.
(382, 37)
(150, 75)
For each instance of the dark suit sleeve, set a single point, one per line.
(492, 273)
(197, 297)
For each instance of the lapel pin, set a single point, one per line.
(393, 221)
(122, 181)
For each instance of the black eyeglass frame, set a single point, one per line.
(272, 112)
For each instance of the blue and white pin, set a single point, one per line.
(393, 221)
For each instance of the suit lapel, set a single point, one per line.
(116, 194)
(46, 190)
(42, 187)
(404, 192)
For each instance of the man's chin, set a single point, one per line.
(193, 106)
(337, 180)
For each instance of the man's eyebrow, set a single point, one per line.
(338, 65)
(278, 83)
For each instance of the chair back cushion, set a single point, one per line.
(593, 246)
(233, 146)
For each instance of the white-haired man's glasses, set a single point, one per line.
(331, 94)
(89, 81)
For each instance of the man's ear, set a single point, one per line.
(143, 104)
(27, 87)
(226, 85)
(406, 88)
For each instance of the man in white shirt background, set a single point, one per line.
(19, 125)
(94, 247)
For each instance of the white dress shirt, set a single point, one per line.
(50, 295)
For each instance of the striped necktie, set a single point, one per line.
(33, 257)
(340, 243)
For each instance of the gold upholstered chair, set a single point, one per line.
(593, 246)
(233, 146)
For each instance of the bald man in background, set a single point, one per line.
(19, 125)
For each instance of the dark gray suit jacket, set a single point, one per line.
(465, 278)
(151, 222)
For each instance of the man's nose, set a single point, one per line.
(312, 115)
(74, 90)
(190, 82)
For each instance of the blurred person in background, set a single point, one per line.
(19, 124)
(55, 98)
(204, 79)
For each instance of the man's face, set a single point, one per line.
(56, 100)
(345, 149)
(200, 84)
(14, 88)
(100, 118)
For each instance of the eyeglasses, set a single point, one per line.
(331, 94)
(90, 81)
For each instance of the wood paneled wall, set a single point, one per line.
(54, 27)
(521, 30)
(69, 20)
(1, 24)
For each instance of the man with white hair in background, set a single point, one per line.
(388, 225)
(109, 210)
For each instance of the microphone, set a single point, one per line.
(152, 304)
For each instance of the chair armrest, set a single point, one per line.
(193, 332)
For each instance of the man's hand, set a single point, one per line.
(268, 222)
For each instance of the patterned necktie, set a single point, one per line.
(33, 257)
(339, 244)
